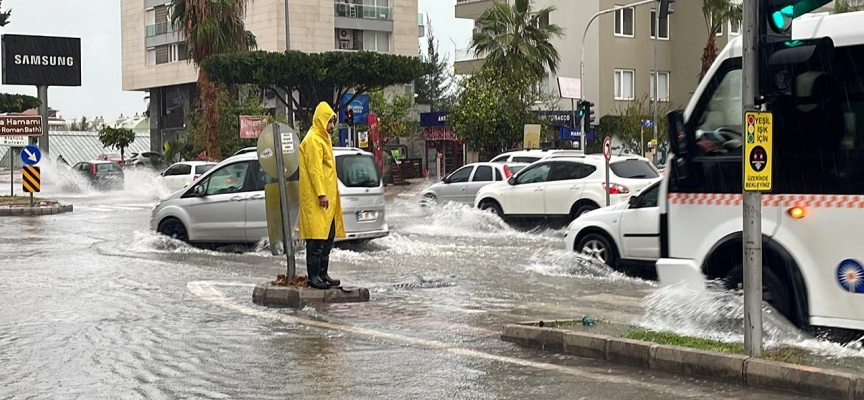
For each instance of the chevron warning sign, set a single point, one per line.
(31, 179)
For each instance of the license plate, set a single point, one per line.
(367, 216)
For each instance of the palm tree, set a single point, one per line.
(211, 27)
(515, 38)
(716, 13)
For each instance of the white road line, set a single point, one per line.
(207, 291)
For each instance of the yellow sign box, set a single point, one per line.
(531, 136)
(758, 151)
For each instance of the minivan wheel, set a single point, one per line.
(774, 292)
(584, 209)
(174, 229)
(492, 207)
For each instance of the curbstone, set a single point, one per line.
(628, 351)
(681, 360)
(259, 294)
(586, 344)
(282, 296)
(858, 394)
(799, 378)
(532, 336)
(5, 212)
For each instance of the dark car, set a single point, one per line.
(101, 174)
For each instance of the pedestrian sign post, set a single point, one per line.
(758, 152)
(607, 154)
(31, 180)
(31, 155)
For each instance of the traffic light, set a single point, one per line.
(665, 10)
(349, 116)
(777, 16)
(586, 112)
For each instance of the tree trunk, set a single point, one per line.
(208, 102)
(709, 54)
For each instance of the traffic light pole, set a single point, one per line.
(752, 231)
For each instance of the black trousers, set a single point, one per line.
(317, 250)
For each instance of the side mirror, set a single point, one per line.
(446, 179)
(677, 133)
(512, 180)
(200, 191)
(635, 201)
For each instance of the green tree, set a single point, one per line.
(844, 6)
(118, 138)
(626, 124)
(317, 77)
(492, 110)
(432, 88)
(517, 39)
(80, 125)
(211, 27)
(247, 101)
(393, 114)
(716, 13)
(14, 102)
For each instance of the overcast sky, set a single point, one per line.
(97, 23)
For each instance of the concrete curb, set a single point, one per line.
(27, 211)
(267, 294)
(756, 372)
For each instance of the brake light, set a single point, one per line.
(93, 169)
(507, 172)
(195, 177)
(616, 188)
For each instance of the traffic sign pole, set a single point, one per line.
(287, 238)
(607, 154)
(752, 202)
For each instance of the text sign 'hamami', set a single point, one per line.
(30, 125)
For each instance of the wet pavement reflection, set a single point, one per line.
(96, 306)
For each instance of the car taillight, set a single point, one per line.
(195, 177)
(616, 188)
(93, 169)
(507, 172)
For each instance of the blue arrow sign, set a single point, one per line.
(31, 155)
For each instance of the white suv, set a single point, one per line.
(566, 187)
(534, 155)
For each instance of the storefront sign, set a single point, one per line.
(251, 126)
(439, 133)
(433, 119)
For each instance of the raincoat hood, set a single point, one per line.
(323, 113)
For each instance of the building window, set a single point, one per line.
(624, 22)
(376, 41)
(173, 53)
(735, 27)
(662, 87)
(664, 26)
(719, 31)
(624, 84)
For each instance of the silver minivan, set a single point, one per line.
(226, 204)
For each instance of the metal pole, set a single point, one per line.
(43, 111)
(752, 200)
(287, 239)
(656, 77)
(573, 118)
(582, 59)
(12, 171)
(607, 184)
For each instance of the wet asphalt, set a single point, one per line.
(93, 305)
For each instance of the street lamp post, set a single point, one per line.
(582, 62)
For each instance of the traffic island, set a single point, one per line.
(19, 206)
(297, 294)
(783, 369)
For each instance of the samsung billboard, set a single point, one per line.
(41, 60)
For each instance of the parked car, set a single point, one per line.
(181, 174)
(463, 184)
(101, 174)
(246, 150)
(564, 188)
(226, 204)
(534, 155)
(626, 234)
(113, 157)
(145, 159)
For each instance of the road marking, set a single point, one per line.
(207, 291)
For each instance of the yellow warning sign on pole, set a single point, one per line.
(758, 151)
(31, 179)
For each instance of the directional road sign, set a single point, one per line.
(21, 125)
(31, 155)
(31, 179)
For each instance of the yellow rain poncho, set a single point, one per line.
(318, 178)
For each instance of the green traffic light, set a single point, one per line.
(782, 19)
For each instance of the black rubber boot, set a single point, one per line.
(325, 264)
(313, 270)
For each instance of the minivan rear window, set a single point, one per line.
(200, 169)
(634, 169)
(357, 170)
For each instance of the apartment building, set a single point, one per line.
(154, 55)
(619, 49)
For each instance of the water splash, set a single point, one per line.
(562, 263)
(152, 242)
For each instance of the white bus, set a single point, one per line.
(813, 219)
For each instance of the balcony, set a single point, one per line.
(159, 29)
(363, 17)
(473, 9)
(466, 62)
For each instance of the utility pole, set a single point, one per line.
(655, 77)
(752, 232)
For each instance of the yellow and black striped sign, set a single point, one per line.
(31, 179)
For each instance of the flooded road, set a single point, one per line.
(95, 306)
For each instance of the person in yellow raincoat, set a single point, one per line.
(320, 208)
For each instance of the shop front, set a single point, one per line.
(445, 153)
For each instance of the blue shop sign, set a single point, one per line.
(558, 118)
(438, 118)
(360, 105)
